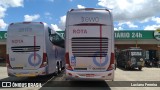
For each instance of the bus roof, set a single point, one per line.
(89, 16)
(26, 28)
(85, 9)
(27, 23)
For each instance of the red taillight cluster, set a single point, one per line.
(111, 67)
(7, 61)
(44, 60)
(68, 66)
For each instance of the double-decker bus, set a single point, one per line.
(33, 49)
(89, 44)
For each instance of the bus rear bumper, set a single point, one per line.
(75, 75)
(27, 73)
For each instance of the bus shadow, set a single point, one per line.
(131, 69)
(72, 85)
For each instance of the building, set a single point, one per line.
(147, 40)
(3, 36)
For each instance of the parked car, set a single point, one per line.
(131, 58)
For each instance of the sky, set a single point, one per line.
(127, 14)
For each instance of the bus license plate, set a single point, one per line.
(90, 75)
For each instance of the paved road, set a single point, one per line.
(147, 74)
(121, 78)
(123, 81)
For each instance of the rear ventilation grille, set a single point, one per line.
(25, 48)
(89, 47)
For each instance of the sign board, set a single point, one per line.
(157, 34)
(134, 34)
(119, 35)
(3, 35)
(128, 34)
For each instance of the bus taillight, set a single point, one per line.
(7, 61)
(68, 66)
(111, 66)
(44, 60)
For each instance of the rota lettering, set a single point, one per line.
(17, 41)
(80, 31)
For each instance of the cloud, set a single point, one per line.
(2, 24)
(156, 19)
(129, 24)
(124, 10)
(80, 6)
(2, 11)
(55, 27)
(145, 20)
(118, 29)
(31, 17)
(63, 20)
(11, 3)
(5, 4)
(48, 15)
(152, 27)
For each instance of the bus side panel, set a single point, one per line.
(60, 55)
(50, 50)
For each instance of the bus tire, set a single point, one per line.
(58, 68)
(56, 72)
(61, 66)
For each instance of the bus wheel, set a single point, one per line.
(140, 68)
(58, 68)
(61, 68)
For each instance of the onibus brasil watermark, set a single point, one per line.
(20, 84)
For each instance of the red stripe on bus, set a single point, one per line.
(100, 43)
(34, 48)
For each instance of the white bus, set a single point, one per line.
(33, 49)
(89, 44)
